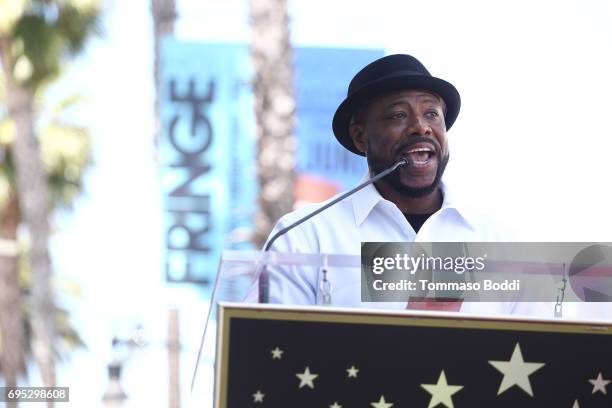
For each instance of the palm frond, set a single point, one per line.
(41, 45)
(67, 103)
(76, 26)
(50, 30)
(65, 150)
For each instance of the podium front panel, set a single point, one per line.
(274, 356)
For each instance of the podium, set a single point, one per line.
(284, 355)
(238, 272)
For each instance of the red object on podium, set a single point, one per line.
(451, 305)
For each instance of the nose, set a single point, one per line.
(419, 126)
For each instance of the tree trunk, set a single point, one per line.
(34, 201)
(164, 16)
(174, 359)
(272, 58)
(11, 312)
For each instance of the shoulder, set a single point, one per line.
(306, 233)
(338, 212)
(493, 227)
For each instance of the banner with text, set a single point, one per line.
(207, 147)
(206, 155)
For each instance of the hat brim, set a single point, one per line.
(396, 82)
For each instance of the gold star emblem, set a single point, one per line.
(277, 353)
(441, 393)
(599, 384)
(381, 403)
(352, 372)
(306, 378)
(258, 396)
(516, 371)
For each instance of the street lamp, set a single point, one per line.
(114, 396)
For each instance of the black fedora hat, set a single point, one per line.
(387, 74)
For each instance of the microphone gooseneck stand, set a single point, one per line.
(264, 288)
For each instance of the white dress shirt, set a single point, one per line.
(368, 217)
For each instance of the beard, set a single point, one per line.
(377, 165)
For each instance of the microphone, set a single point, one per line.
(264, 295)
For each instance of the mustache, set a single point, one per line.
(405, 144)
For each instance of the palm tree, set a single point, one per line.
(272, 58)
(65, 152)
(36, 37)
(164, 16)
(11, 311)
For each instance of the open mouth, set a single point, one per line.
(420, 156)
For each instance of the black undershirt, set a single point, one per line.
(417, 220)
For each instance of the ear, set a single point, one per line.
(359, 137)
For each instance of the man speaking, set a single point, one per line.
(394, 109)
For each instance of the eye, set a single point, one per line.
(397, 115)
(432, 114)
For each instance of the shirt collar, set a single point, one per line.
(452, 202)
(368, 197)
(364, 201)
